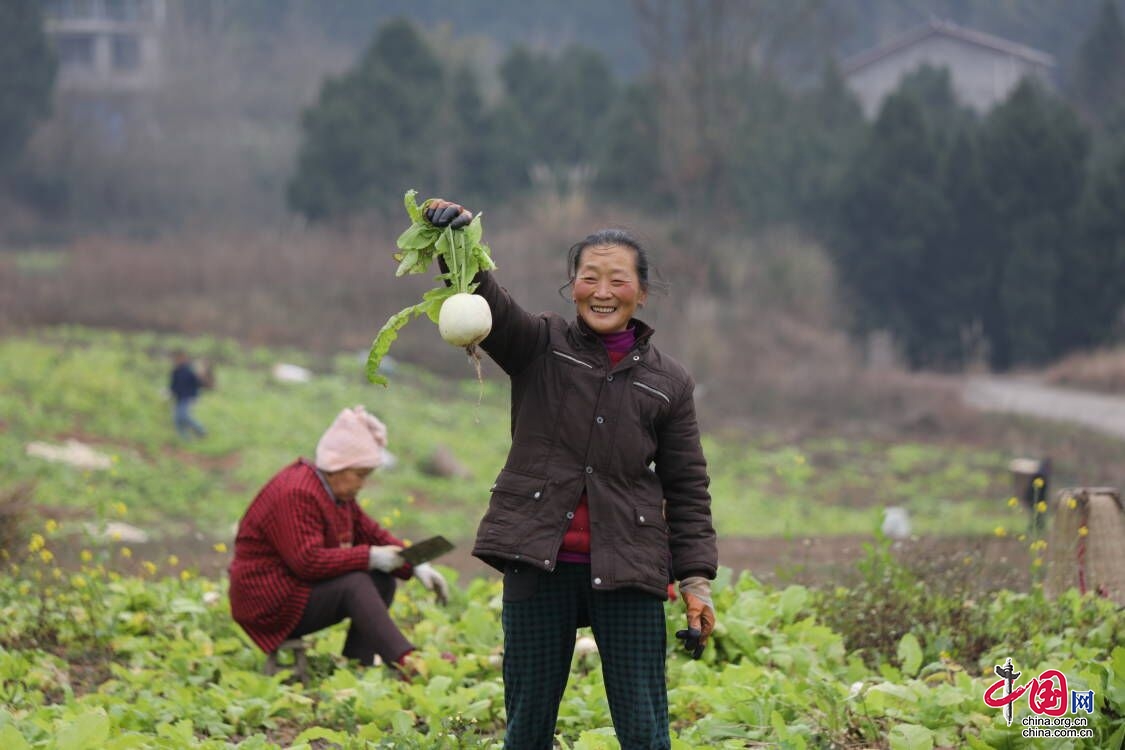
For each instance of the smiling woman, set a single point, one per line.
(603, 498)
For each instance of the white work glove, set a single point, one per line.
(386, 558)
(432, 580)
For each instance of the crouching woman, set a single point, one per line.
(307, 557)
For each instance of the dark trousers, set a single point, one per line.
(541, 613)
(364, 598)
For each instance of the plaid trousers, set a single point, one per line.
(541, 613)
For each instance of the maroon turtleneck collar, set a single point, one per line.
(620, 342)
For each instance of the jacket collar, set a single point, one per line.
(589, 337)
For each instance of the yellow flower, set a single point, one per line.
(37, 543)
(150, 567)
(46, 555)
(396, 513)
(1022, 537)
(185, 575)
(1037, 482)
(967, 560)
(220, 547)
(115, 536)
(126, 552)
(56, 574)
(799, 459)
(1000, 531)
(173, 560)
(78, 582)
(1083, 531)
(409, 499)
(24, 588)
(1041, 507)
(119, 508)
(386, 522)
(4, 554)
(86, 555)
(1013, 501)
(1071, 503)
(51, 526)
(944, 655)
(1037, 562)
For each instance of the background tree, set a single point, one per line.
(375, 129)
(554, 108)
(27, 76)
(1033, 153)
(628, 166)
(892, 221)
(1097, 82)
(1092, 287)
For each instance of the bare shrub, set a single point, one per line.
(1100, 370)
(754, 319)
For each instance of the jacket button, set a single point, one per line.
(636, 358)
(642, 519)
(589, 469)
(609, 378)
(600, 420)
(537, 494)
(546, 562)
(569, 514)
(597, 582)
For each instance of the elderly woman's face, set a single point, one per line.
(346, 483)
(607, 290)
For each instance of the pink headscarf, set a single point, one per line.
(354, 441)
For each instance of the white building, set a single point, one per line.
(983, 68)
(106, 46)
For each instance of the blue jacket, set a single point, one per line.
(185, 383)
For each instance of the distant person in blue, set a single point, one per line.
(185, 386)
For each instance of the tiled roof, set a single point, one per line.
(949, 29)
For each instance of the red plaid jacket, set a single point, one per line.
(292, 536)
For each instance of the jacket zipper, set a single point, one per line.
(652, 390)
(556, 352)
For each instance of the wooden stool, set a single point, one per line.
(300, 659)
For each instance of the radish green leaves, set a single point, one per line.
(463, 254)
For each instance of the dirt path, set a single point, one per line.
(1031, 397)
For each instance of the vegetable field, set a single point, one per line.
(109, 644)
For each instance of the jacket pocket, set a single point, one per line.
(570, 359)
(515, 498)
(519, 485)
(651, 554)
(654, 390)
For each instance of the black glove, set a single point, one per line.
(442, 213)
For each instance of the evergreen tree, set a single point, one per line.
(629, 164)
(893, 220)
(27, 76)
(554, 108)
(1097, 83)
(964, 262)
(1092, 288)
(375, 131)
(1033, 152)
(828, 131)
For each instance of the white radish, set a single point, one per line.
(464, 319)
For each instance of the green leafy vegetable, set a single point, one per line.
(419, 246)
